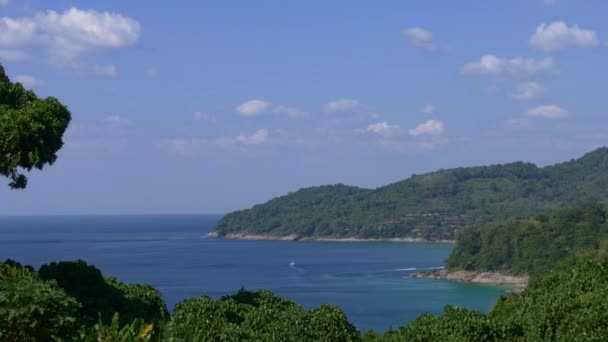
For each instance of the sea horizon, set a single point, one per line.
(368, 281)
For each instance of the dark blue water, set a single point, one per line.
(367, 280)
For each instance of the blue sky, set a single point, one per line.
(211, 106)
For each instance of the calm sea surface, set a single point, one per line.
(367, 280)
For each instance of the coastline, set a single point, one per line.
(294, 237)
(517, 283)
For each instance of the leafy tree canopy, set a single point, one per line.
(31, 130)
(101, 297)
(533, 246)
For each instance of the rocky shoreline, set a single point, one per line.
(518, 283)
(322, 239)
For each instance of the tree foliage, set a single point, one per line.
(455, 324)
(432, 206)
(258, 316)
(59, 301)
(34, 310)
(564, 305)
(533, 246)
(31, 130)
(101, 297)
(136, 331)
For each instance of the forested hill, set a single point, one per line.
(533, 246)
(431, 206)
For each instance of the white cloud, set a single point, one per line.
(116, 121)
(253, 108)
(517, 67)
(257, 138)
(559, 36)
(429, 109)
(528, 91)
(430, 127)
(347, 114)
(18, 32)
(12, 55)
(260, 107)
(420, 38)
(342, 105)
(382, 128)
(69, 35)
(547, 112)
(240, 143)
(200, 116)
(29, 81)
(75, 32)
(290, 112)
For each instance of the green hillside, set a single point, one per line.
(533, 246)
(432, 206)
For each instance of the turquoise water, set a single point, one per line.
(367, 280)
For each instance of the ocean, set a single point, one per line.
(367, 280)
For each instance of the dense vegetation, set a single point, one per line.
(31, 130)
(257, 316)
(61, 299)
(73, 301)
(533, 246)
(564, 305)
(432, 206)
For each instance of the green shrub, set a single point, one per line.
(328, 323)
(203, 319)
(103, 297)
(85, 283)
(137, 331)
(139, 301)
(563, 306)
(455, 324)
(257, 316)
(34, 310)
